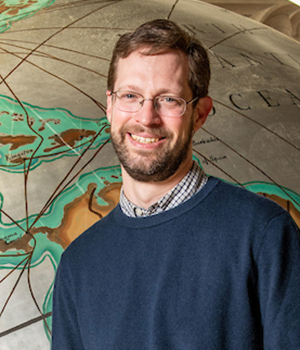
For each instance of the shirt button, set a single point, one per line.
(139, 212)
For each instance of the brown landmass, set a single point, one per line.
(17, 141)
(69, 138)
(79, 215)
(82, 213)
(46, 121)
(19, 244)
(15, 8)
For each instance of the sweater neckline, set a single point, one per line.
(150, 221)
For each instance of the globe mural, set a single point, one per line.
(58, 171)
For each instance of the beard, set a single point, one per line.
(158, 165)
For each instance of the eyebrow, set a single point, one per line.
(135, 88)
(130, 87)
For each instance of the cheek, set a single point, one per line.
(187, 131)
(120, 123)
(175, 125)
(182, 128)
(116, 118)
(178, 132)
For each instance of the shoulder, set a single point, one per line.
(250, 220)
(237, 209)
(238, 199)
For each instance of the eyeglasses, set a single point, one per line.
(165, 105)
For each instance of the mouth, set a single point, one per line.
(145, 140)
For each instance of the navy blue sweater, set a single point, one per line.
(221, 271)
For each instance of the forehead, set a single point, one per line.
(167, 70)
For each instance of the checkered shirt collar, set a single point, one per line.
(193, 182)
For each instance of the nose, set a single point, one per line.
(148, 115)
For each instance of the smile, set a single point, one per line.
(144, 139)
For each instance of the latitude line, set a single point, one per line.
(26, 324)
(53, 35)
(99, 104)
(68, 28)
(10, 41)
(48, 56)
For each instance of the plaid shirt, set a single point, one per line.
(193, 182)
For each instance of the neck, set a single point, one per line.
(144, 194)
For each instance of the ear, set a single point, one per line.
(201, 112)
(108, 103)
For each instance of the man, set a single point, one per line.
(184, 261)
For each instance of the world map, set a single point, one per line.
(58, 171)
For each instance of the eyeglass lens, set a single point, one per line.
(128, 101)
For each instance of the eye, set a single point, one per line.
(128, 96)
(170, 101)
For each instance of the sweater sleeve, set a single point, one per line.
(65, 327)
(278, 268)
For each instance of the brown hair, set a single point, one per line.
(159, 35)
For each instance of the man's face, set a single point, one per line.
(152, 147)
